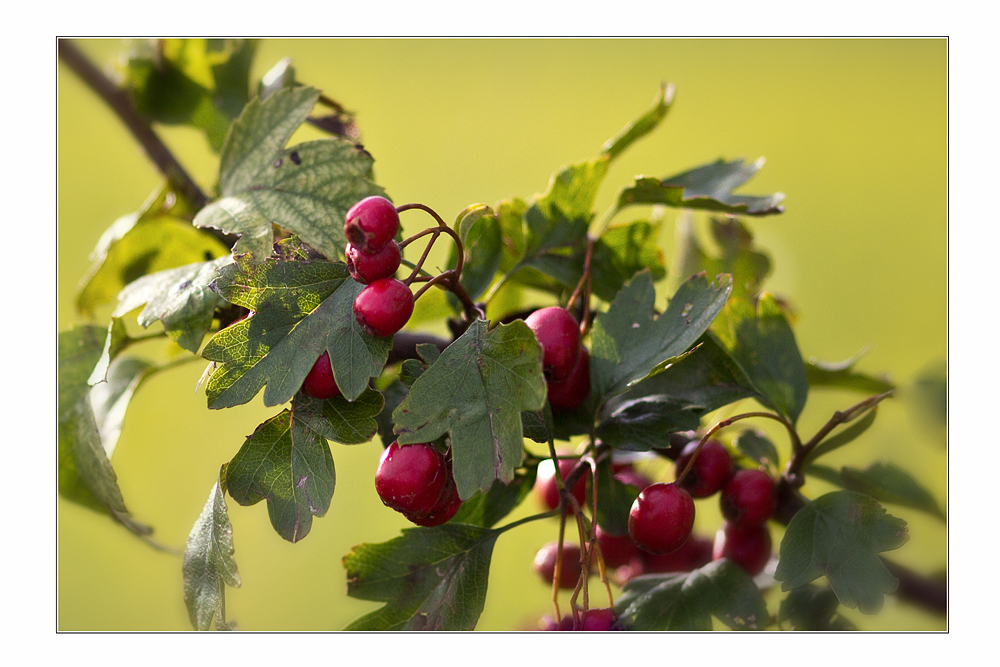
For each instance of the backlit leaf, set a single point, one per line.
(208, 564)
(643, 125)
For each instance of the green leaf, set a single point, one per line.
(614, 500)
(841, 375)
(480, 232)
(885, 482)
(208, 564)
(180, 298)
(117, 340)
(393, 395)
(646, 423)
(571, 192)
(763, 344)
(842, 437)
(757, 447)
(737, 256)
(643, 125)
(687, 601)
(301, 310)
(476, 391)
(486, 509)
(510, 217)
(290, 465)
(705, 380)
(812, 608)
(620, 253)
(707, 188)
(839, 536)
(110, 399)
(340, 420)
(155, 238)
(85, 473)
(306, 189)
(629, 344)
(429, 578)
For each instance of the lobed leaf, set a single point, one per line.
(708, 188)
(208, 564)
(687, 601)
(839, 536)
(629, 344)
(841, 375)
(643, 125)
(885, 482)
(476, 391)
(306, 189)
(646, 423)
(737, 255)
(812, 608)
(180, 298)
(429, 578)
(301, 310)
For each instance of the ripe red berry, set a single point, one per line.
(599, 620)
(568, 394)
(558, 333)
(749, 498)
(661, 518)
(371, 223)
(383, 307)
(366, 268)
(411, 478)
(445, 508)
(548, 488)
(545, 564)
(617, 550)
(319, 383)
(710, 470)
(694, 553)
(750, 547)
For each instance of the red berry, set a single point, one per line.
(617, 550)
(545, 564)
(749, 498)
(710, 470)
(319, 383)
(383, 307)
(694, 553)
(568, 394)
(411, 478)
(548, 488)
(446, 507)
(558, 333)
(599, 620)
(661, 518)
(371, 223)
(628, 475)
(750, 547)
(366, 268)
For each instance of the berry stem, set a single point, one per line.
(584, 286)
(423, 258)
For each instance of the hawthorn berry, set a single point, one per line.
(558, 333)
(748, 547)
(548, 488)
(710, 470)
(568, 394)
(411, 478)
(319, 383)
(748, 498)
(545, 564)
(661, 518)
(694, 553)
(383, 307)
(617, 550)
(371, 223)
(594, 620)
(445, 508)
(366, 268)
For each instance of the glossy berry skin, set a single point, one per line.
(748, 498)
(710, 471)
(371, 223)
(548, 488)
(545, 564)
(617, 550)
(411, 478)
(750, 548)
(367, 268)
(568, 394)
(319, 383)
(446, 507)
(558, 333)
(383, 307)
(599, 620)
(661, 518)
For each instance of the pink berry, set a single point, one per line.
(366, 268)
(411, 478)
(319, 383)
(661, 518)
(371, 223)
(384, 307)
(558, 333)
(710, 470)
(749, 498)
(570, 393)
(749, 547)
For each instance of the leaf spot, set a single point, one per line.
(294, 157)
(277, 163)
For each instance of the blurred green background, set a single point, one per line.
(854, 132)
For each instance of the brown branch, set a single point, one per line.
(120, 102)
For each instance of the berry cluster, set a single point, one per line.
(373, 256)
(565, 360)
(416, 481)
